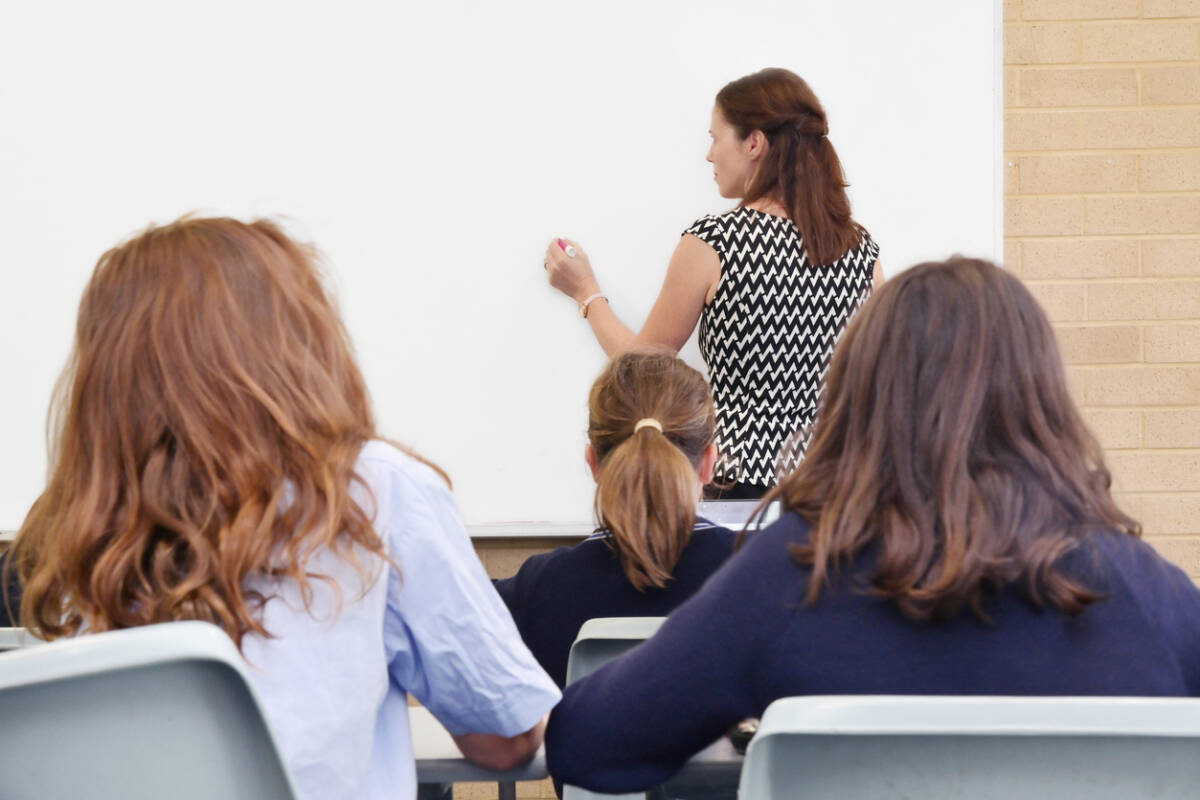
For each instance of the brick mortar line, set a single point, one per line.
(1146, 193)
(1086, 237)
(1143, 408)
(1185, 193)
(1081, 195)
(1135, 367)
(1116, 151)
(1134, 408)
(1114, 66)
(1112, 107)
(1174, 62)
(1108, 323)
(1121, 151)
(1093, 22)
(1138, 20)
(1132, 366)
(1048, 111)
(1135, 237)
(1143, 493)
(1082, 152)
(1116, 280)
(1157, 364)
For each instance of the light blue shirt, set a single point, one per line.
(335, 685)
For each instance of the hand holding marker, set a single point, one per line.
(571, 273)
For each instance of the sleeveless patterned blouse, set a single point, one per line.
(768, 334)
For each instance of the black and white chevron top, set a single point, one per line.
(768, 334)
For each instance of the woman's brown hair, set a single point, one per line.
(801, 169)
(205, 430)
(647, 483)
(947, 445)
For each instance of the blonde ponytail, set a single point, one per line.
(647, 481)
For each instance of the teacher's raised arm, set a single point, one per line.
(772, 283)
(692, 278)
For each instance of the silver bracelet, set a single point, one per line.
(583, 307)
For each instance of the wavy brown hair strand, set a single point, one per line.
(801, 169)
(647, 483)
(205, 430)
(948, 444)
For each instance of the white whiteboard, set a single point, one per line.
(431, 149)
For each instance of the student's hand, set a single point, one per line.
(571, 275)
(501, 753)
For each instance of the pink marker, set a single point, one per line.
(566, 248)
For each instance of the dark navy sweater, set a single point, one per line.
(10, 594)
(747, 638)
(554, 593)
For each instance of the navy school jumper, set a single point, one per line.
(554, 593)
(747, 638)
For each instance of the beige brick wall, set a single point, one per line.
(1102, 221)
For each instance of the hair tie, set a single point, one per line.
(802, 126)
(648, 422)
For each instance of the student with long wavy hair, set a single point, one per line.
(771, 283)
(215, 458)
(650, 448)
(951, 531)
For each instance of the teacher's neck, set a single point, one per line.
(768, 205)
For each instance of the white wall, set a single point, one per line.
(431, 150)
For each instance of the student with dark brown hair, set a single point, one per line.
(650, 448)
(951, 531)
(772, 283)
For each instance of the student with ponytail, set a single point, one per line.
(650, 448)
(772, 283)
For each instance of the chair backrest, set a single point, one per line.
(599, 641)
(152, 712)
(737, 515)
(978, 747)
(16, 638)
(602, 639)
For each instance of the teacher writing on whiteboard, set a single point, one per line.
(772, 282)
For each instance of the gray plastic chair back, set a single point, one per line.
(737, 515)
(16, 638)
(976, 747)
(599, 641)
(602, 639)
(152, 712)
